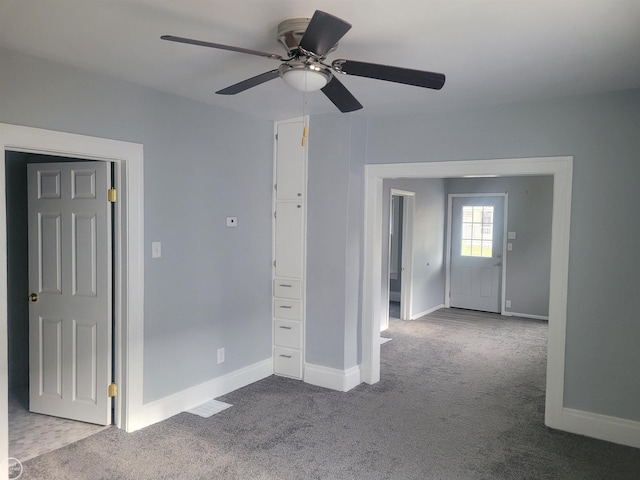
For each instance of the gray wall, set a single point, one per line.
(428, 241)
(528, 264)
(334, 239)
(212, 286)
(601, 132)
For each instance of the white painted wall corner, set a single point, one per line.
(332, 378)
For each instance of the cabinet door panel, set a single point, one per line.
(289, 240)
(285, 309)
(287, 362)
(290, 172)
(287, 288)
(287, 333)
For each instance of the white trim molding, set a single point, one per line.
(166, 407)
(525, 315)
(130, 321)
(332, 378)
(561, 168)
(602, 427)
(427, 312)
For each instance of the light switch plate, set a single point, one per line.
(156, 250)
(232, 221)
(511, 235)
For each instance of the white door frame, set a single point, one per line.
(406, 269)
(129, 271)
(561, 168)
(505, 210)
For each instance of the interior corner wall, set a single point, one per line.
(334, 240)
(528, 265)
(212, 286)
(428, 266)
(600, 132)
(355, 243)
(17, 269)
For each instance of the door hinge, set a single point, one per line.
(113, 390)
(276, 136)
(274, 264)
(275, 186)
(275, 214)
(112, 195)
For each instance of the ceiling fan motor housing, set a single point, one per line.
(290, 33)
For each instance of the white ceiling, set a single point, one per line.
(492, 51)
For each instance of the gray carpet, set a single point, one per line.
(461, 397)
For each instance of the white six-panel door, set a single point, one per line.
(70, 286)
(477, 230)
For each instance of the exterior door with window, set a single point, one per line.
(477, 229)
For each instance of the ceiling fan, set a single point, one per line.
(307, 43)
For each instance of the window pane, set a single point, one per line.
(466, 248)
(477, 231)
(487, 215)
(467, 216)
(476, 248)
(477, 214)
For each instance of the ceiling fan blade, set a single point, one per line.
(249, 82)
(190, 41)
(340, 96)
(419, 78)
(323, 33)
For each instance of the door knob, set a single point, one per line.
(34, 297)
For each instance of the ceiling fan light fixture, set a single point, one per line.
(305, 77)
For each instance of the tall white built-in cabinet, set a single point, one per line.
(289, 227)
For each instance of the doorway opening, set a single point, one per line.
(129, 266)
(560, 168)
(400, 256)
(69, 315)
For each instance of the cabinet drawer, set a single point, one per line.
(285, 309)
(287, 362)
(287, 333)
(287, 289)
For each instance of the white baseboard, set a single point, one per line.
(189, 398)
(427, 312)
(332, 378)
(602, 427)
(525, 315)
